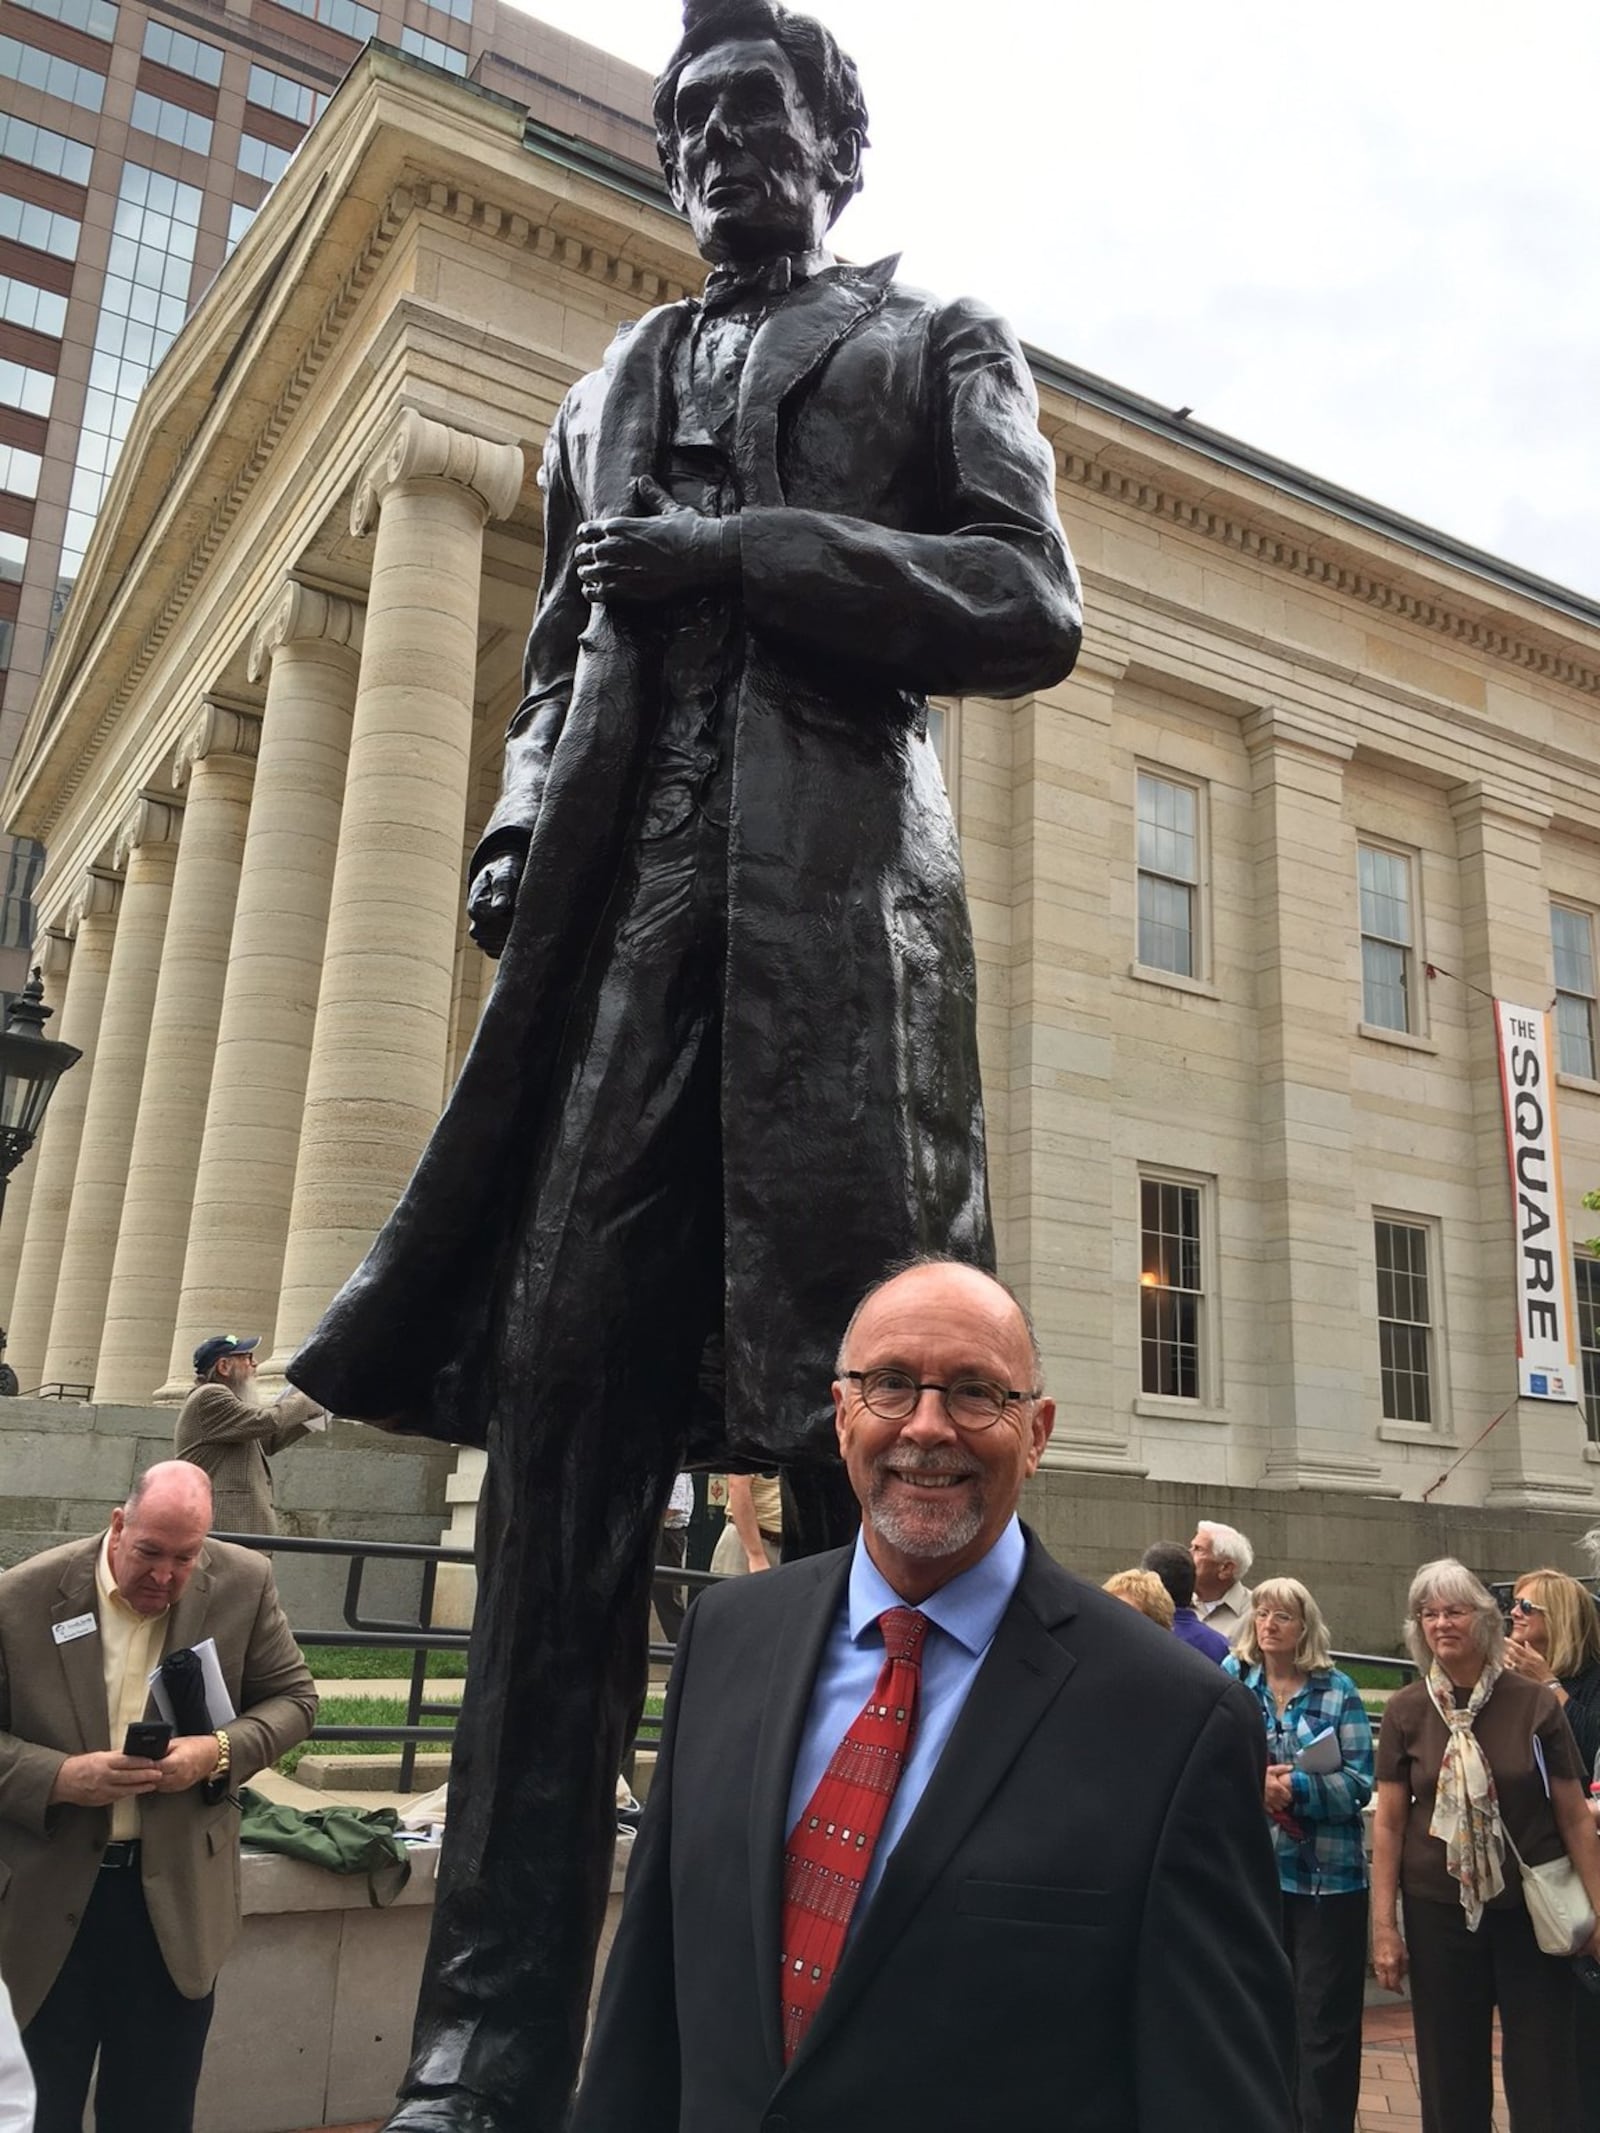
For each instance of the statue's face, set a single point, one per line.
(751, 171)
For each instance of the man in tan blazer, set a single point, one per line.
(232, 1435)
(119, 1876)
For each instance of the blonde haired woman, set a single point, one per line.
(1281, 1655)
(1144, 1590)
(1555, 1638)
(1467, 1754)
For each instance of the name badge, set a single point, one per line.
(74, 1626)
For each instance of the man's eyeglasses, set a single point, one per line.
(971, 1403)
(1520, 1606)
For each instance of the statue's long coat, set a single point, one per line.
(899, 540)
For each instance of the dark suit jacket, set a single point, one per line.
(1078, 1930)
(53, 1704)
(899, 539)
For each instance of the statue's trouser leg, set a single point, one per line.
(614, 1285)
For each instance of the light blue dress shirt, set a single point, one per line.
(962, 1619)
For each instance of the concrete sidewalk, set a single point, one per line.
(1388, 2079)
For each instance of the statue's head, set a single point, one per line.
(760, 125)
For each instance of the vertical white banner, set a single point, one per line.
(1547, 1361)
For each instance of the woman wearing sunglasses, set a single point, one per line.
(1319, 1779)
(1555, 1639)
(1467, 1755)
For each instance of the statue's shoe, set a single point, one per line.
(457, 2113)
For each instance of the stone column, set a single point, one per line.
(216, 761)
(92, 922)
(376, 1079)
(53, 955)
(146, 851)
(1535, 1454)
(1057, 1161)
(1314, 1343)
(308, 646)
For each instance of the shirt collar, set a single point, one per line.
(968, 1608)
(106, 1586)
(768, 280)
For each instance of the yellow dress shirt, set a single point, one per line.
(130, 1645)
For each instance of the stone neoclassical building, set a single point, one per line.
(1322, 784)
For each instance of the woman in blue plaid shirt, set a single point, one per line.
(1281, 1655)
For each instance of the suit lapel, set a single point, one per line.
(794, 1670)
(798, 336)
(633, 421)
(1021, 1676)
(82, 1658)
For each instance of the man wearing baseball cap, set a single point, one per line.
(224, 1428)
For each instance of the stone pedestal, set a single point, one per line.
(217, 764)
(146, 854)
(376, 1079)
(93, 927)
(308, 645)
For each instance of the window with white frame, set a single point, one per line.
(1169, 833)
(1388, 938)
(1405, 1319)
(1172, 1288)
(1572, 952)
(1586, 1281)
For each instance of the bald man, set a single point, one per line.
(963, 1847)
(119, 1872)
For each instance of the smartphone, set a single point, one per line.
(149, 1737)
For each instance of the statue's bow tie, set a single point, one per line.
(737, 282)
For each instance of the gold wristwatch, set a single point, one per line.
(224, 1754)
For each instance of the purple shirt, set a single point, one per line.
(1208, 1642)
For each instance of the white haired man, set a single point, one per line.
(1222, 1559)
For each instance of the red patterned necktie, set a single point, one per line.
(829, 1852)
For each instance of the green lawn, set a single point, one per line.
(368, 1662)
(356, 1711)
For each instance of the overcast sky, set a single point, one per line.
(1365, 239)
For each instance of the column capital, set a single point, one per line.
(1478, 800)
(1271, 727)
(300, 614)
(221, 729)
(52, 951)
(96, 896)
(150, 821)
(416, 448)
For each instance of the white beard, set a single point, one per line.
(923, 1532)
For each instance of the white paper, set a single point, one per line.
(219, 1705)
(1321, 1756)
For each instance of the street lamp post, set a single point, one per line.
(30, 1066)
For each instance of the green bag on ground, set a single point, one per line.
(345, 1840)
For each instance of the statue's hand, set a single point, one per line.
(668, 550)
(491, 900)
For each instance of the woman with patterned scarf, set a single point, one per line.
(1466, 1754)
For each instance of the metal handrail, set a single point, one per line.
(420, 1637)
